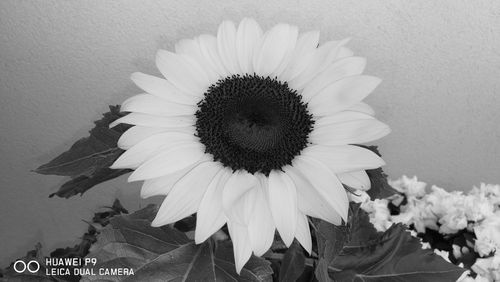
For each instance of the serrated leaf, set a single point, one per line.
(293, 264)
(165, 254)
(87, 161)
(394, 256)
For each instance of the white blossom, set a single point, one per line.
(379, 213)
(358, 196)
(417, 212)
(242, 129)
(443, 254)
(488, 268)
(453, 222)
(488, 235)
(477, 211)
(492, 192)
(478, 206)
(409, 186)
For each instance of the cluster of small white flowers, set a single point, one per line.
(379, 214)
(448, 212)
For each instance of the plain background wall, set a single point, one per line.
(62, 62)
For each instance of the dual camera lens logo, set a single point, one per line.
(32, 266)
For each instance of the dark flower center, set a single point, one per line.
(253, 123)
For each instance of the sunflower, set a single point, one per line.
(254, 130)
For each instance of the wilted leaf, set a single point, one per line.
(103, 217)
(293, 264)
(87, 161)
(80, 250)
(165, 254)
(394, 256)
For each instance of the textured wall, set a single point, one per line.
(63, 61)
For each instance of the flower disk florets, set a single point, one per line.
(253, 123)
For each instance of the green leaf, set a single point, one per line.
(293, 264)
(186, 224)
(79, 250)
(165, 254)
(331, 239)
(256, 269)
(367, 255)
(380, 188)
(361, 230)
(9, 274)
(103, 217)
(83, 183)
(87, 161)
(394, 256)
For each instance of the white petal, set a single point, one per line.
(247, 39)
(344, 52)
(323, 56)
(341, 117)
(325, 182)
(336, 71)
(359, 129)
(183, 72)
(362, 107)
(310, 201)
(355, 179)
(277, 44)
(235, 188)
(301, 57)
(186, 194)
(303, 233)
(210, 216)
(155, 121)
(242, 209)
(208, 48)
(192, 49)
(163, 184)
(136, 134)
(358, 197)
(343, 94)
(283, 204)
(226, 45)
(288, 58)
(344, 158)
(261, 227)
(241, 244)
(144, 150)
(149, 104)
(162, 88)
(169, 161)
